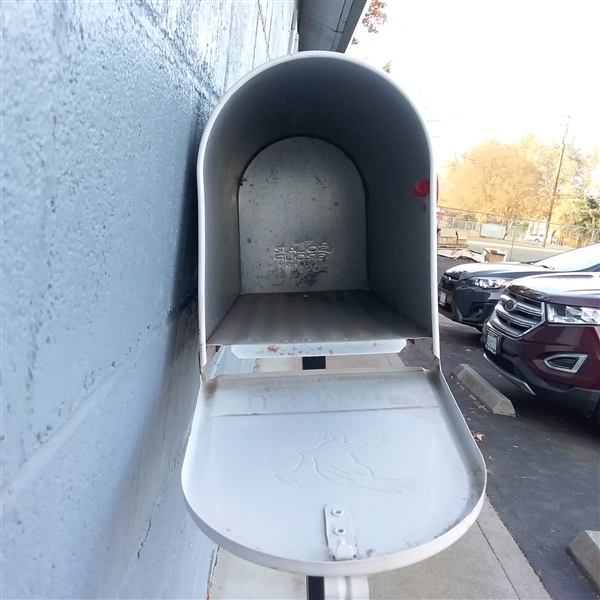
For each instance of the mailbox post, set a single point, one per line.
(317, 232)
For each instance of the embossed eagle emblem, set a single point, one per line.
(333, 460)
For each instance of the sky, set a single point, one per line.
(481, 69)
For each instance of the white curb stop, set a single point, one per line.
(484, 391)
(585, 551)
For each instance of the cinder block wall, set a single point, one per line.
(103, 105)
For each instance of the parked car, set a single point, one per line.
(544, 336)
(468, 293)
(537, 238)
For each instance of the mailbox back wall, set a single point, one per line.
(103, 105)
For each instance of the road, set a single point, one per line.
(516, 252)
(543, 465)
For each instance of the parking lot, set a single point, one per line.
(543, 465)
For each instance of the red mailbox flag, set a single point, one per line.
(423, 187)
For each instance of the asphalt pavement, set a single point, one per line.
(543, 465)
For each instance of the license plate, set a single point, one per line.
(493, 342)
(442, 298)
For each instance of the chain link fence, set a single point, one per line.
(480, 225)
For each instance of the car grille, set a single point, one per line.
(448, 282)
(514, 315)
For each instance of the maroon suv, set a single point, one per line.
(544, 335)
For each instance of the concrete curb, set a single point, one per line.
(585, 551)
(484, 391)
(514, 563)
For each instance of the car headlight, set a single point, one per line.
(573, 315)
(488, 283)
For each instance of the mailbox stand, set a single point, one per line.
(337, 588)
(313, 244)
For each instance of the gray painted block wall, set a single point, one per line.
(103, 105)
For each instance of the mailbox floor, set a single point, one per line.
(318, 323)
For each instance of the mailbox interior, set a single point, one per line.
(312, 240)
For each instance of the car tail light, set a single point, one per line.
(568, 363)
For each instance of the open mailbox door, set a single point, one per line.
(313, 242)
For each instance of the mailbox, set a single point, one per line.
(317, 237)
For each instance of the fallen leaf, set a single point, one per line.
(478, 437)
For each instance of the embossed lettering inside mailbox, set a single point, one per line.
(302, 220)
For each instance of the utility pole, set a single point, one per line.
(553, 199)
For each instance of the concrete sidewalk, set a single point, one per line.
(485, 563)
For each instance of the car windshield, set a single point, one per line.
(580, 259)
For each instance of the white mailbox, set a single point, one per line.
(318, 237)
